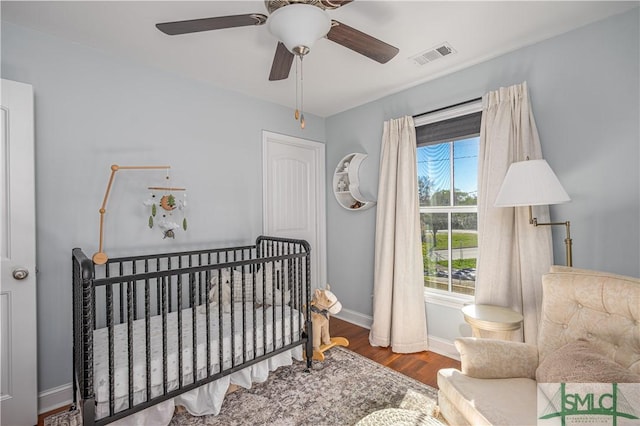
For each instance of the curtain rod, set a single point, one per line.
(447, 107)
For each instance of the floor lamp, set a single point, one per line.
(533, 183)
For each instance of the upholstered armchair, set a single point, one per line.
(589, 332)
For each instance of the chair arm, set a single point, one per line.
(497, 359)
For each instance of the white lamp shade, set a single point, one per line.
(299, 25)
(530, 183)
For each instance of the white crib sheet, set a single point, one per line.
(121, 368)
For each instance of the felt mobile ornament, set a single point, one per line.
(167, 210)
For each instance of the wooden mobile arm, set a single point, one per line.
(100, 258)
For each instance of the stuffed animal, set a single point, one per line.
(226, 296)
(274, 299)
(323, 304)
(214, 295)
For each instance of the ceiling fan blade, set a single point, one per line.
(362, 43)
(334, 4)
(281, 63)
(207, 24)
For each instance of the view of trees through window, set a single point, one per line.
(448, 193)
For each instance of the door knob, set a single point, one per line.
(20, 273)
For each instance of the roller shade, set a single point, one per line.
(448, 130)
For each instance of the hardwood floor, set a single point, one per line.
(41, 417)
(421, 366)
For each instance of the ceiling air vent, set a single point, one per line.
(432, 54)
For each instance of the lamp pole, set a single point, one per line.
(567, 240)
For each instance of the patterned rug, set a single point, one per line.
(342, 390)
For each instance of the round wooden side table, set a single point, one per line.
(490, 321)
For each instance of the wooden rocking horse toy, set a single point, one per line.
(323, 304)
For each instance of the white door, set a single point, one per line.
(18, 347)
(294, 195)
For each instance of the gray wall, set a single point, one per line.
(93, 110)
(585, 97)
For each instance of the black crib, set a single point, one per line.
(196, 316)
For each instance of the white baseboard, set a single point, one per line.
(55, 398)
(355, 318)
(443, 347)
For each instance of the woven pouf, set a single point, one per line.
(398, 417)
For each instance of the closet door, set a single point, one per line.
(18, 347)
(294, 195)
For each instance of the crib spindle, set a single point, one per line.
(110, 327)
(207, 308)
(165, 373)
(180, 331)
(169, 292)
(130, 309)
(252, 274)
(147, 333)
(273, 304)
(135, 293)
(159, 290)
(263, 272)
(243, 313)
(120, 295)
(194, 328)
(220, 319)
(233, 316)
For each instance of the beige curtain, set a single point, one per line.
(399, 318)
(513, 254)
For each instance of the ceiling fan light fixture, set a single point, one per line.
(299, 26)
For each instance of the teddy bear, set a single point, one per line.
(323, 304)
(226, 296)
(214, 292)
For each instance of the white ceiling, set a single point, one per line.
(335, 78)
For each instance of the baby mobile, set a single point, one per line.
(167, 210)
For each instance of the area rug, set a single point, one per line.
(342, 390)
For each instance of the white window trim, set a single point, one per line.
(445, 298)
(447, 209)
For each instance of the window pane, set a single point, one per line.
(465, 171)
(464, 252)
(435, 249)
(434, 174)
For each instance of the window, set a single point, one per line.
(448, 142)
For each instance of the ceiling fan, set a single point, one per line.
(297, 24)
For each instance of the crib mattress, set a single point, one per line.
(230, 355)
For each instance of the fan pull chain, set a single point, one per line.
(302, 123)
(297, 113)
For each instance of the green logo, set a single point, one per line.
(582, 402)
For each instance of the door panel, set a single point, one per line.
(295, 197)
(18, 347)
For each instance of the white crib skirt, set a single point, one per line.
(207, 399)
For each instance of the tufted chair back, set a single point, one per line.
(601, 308)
